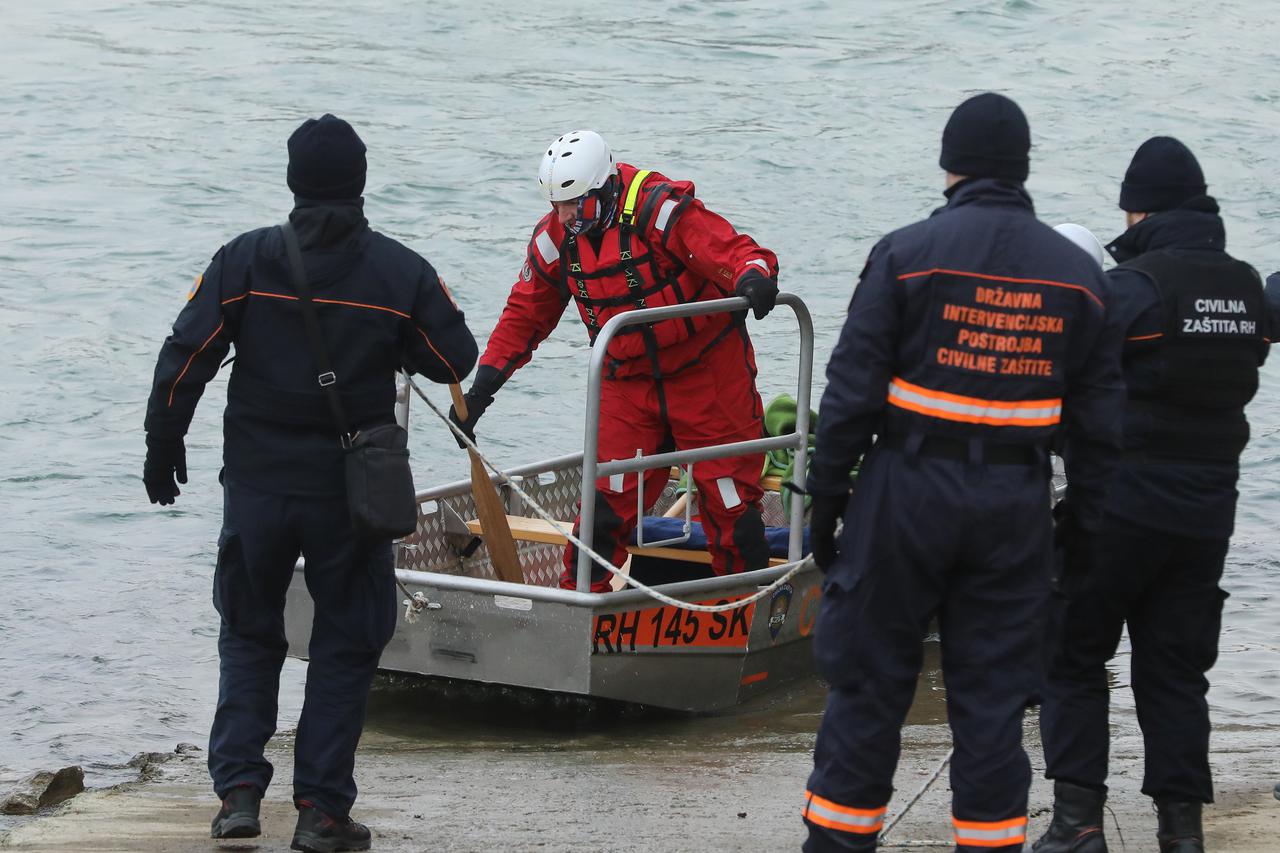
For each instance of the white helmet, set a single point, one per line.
(1083, 238)
(574, 165)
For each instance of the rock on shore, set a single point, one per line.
(43, 789)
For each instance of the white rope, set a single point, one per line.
(597, 558)
(884, 833)
(898, 845)
(664, 598)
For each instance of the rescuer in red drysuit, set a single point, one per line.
(616, 239)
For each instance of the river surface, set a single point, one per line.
(138, 136)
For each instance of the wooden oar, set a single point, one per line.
(677, 509)
(493, 515)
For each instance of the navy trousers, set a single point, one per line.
(1166, 588)
(352, 583)
(970, 544)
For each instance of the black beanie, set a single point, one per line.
(987, 137)
(326, 159)
(1162, 175)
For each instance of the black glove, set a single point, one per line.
(1071, 558)
(826, 512)
(166, 458)
(487, 382)
(760, 290)
(1066, 527)
(476, 404)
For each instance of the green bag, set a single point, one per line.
(780, 417)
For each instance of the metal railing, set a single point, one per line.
(592, 468)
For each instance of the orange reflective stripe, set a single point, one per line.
(990, 833)
(832, 815)
(174, 387)
(444, 360)
(324, 301)
(1146, 337)
(988, 277)
(364, 305)
(974, 410)
(960, 398)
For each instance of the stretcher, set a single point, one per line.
(622, 645)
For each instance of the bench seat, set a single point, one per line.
(527, 529)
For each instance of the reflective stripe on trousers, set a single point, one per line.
(832, 815)
(990, 833)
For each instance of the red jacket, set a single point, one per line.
(679, 252)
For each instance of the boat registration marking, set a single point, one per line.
(669, 627)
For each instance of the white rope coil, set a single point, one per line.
(595, 557)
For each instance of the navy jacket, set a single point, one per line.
(381, 306)
(978, 323)
(1196, 499)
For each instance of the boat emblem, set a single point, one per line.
(779, 604)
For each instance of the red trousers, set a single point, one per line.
(712, 402)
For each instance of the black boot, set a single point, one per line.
(1077, 821)
(1180, 830)
(317, 832)
(238, 817)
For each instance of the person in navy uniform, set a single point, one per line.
(381, 307)
(1195, 333)
(974, 340)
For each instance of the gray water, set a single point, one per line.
(136, 137)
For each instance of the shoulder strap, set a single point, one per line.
(628, 215)
(327, 378)
(658, 196)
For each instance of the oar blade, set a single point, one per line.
(490, 510)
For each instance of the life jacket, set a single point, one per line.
(1207, 359)
(632, 269)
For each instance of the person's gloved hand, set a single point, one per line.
(166, 459)
(826, 512)
(476, 404)
(1072, 549)
(487, 382)
(759, 289)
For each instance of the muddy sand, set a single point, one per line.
(505, 780)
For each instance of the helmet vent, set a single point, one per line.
(548, 152)
(565, 154)
(566, 184)
(575, 139)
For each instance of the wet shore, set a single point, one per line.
(450, 772)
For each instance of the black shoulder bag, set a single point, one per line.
(379, 482)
